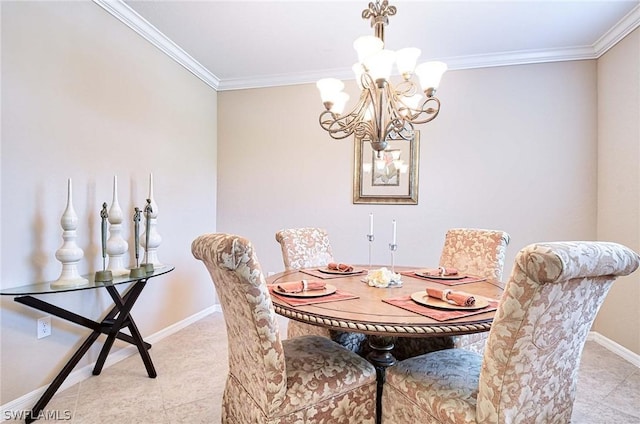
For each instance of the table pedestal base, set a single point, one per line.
(381, 358)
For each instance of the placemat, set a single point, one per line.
(465, 280)
(323, 275)
(405, 302)
(302, 301)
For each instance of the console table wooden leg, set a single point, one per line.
(142, 349)
(381, 358)
(123, 304)
(75, 318)
(57, 382)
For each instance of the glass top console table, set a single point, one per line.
(116, 319)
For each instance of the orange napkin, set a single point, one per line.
(301, 286)
(457, 298)
(440, 271)
(340, 267)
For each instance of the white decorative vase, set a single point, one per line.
(151, 251)
(117, 246)
(69, 253)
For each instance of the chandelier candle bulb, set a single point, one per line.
(366, 46)
(339, 103)
(329, 89)
(371, 224)
(406, 61)
(379, 66)
(430, 74)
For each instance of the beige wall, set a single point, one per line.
(619, 181)
(84, 97)
(514, 148)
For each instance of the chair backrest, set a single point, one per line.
(304, 247)
(256, 357)
(534, 347)
(475, 251)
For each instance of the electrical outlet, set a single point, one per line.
(44, 327)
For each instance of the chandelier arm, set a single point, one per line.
(354, 122)
(429, 110)
(396, 119)
(333, 127)
(406, 133)
(406, 88)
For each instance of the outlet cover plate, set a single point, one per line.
(44, 327)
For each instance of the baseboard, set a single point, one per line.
(26, 402)
(614, 347)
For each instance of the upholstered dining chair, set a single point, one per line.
(530, 366)
(304, 247)
(472, 251)
(307, 379)
(310, 247)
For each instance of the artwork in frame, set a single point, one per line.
(387, 177)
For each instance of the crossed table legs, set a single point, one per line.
(116, 319)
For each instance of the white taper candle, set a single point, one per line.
(370, 224)
(393, 237)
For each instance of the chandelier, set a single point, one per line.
(384, 112)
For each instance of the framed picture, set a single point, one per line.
(389, 176)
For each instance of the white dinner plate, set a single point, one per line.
(328, 289)
(423, 298)
(335, 271)
(441, 277)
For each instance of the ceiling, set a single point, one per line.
(242, 44)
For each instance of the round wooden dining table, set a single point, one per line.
(369, 311)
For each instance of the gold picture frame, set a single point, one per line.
(388, 178)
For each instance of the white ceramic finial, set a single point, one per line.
(154, 205)
(151, 256)
(69, 253)
(117, 246)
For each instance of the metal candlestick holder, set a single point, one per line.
(137, 271)
(371, 238)
(147, 265)
(393, 247)
(104, 275)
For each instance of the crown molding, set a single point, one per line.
(525, 57)
(284, 79)
(141, 26)
(133, 20)
(620, 30)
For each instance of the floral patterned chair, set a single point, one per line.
(307, 379)
(304, 247)
(471, 251)
(529, 370)
(308, 248)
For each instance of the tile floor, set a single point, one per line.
(192, 367)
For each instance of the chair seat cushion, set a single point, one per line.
(442, 385)
(322, 373)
